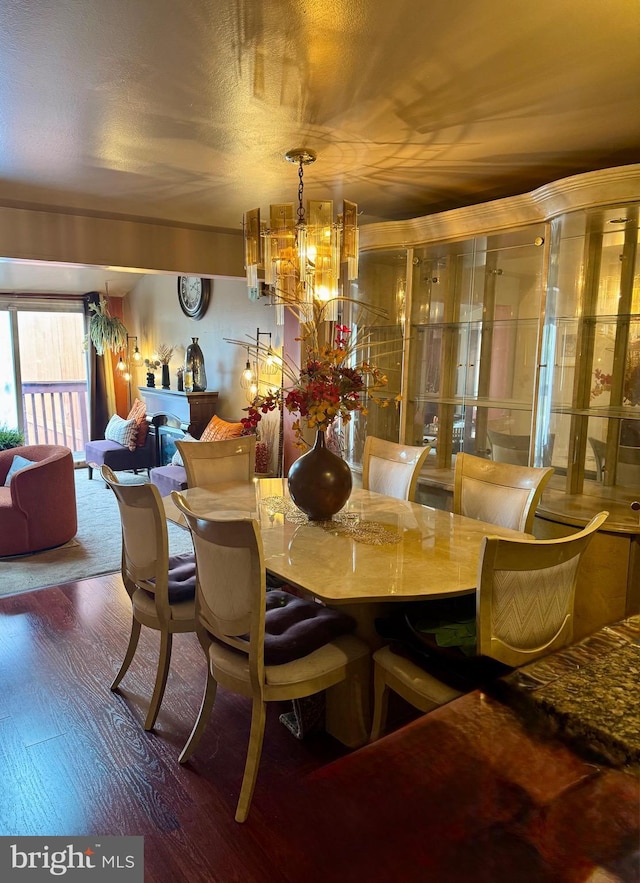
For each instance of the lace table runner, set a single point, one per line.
(347, 524)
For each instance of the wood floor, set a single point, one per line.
(74, 759)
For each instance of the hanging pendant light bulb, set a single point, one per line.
(248, 379)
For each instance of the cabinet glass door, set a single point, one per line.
(375, 311)
(591, 395)
(474, 347)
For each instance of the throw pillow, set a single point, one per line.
(217, 430)
(176, 460)
(138, 413)
(123, 432)
(17, 464)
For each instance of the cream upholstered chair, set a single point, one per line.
(507, 448)
(161, 587)
(524, 610)
(231, 459)
(392, 469)
(500, 493)
(627, 467)
(231, 626)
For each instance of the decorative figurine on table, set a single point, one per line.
(180, 374)
(152, 366)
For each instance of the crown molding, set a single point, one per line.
(588, 190)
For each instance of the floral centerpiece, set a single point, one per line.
(333, 382)
(336, 379)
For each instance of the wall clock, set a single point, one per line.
(193, 295)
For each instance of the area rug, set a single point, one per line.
(95, 549)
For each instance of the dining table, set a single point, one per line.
(376, 551)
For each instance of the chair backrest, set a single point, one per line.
(145, 544)
(526, 594)
(208, 463)
(505, 448)
(392, 469)
(628, 466)
(231, 583)
(599, 448)
(499, 493)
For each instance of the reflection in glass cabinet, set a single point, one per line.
(473, 352)
(590, 394)
(521, 345)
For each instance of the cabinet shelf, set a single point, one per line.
(622, 413)
(476, 402)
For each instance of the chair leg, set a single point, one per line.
(380, 703)
(202, 720)
(90, 468)
(131, 649)
(166, 641)
(258, 718)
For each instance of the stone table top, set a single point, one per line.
(588, 693)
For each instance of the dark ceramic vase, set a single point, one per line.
(166, 383)
(319, 482)
(194, 360)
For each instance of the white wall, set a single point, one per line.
(153, 313)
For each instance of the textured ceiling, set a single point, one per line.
(183, 110)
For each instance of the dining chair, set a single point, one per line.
(214, 462)
(161, 587)
(506, 448)
(500, 493)
(392, 469)
(627, 466)
(246, 654)
(524, 609)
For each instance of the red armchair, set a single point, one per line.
(38, 509)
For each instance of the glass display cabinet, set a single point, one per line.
(519, 323)
(474, 346)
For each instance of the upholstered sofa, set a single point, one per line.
(38, 508)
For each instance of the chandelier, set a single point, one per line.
(301, 252)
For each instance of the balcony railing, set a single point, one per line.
(56, 413)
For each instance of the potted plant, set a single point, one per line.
(106, 331)
(10, 438)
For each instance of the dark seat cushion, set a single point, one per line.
(182, 577)
(295, 627)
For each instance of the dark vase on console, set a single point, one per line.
(151, 379)
(320, 482)
(194, 361)
(166, 382)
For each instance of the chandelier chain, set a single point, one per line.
(300, 193)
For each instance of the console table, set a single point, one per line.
(194, 409)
